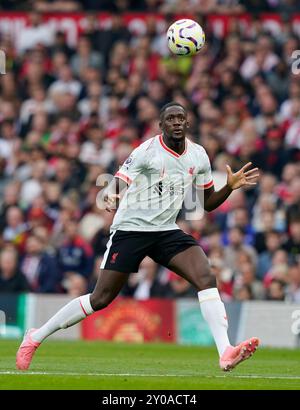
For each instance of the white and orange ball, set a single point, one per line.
(185, 37)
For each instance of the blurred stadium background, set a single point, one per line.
(84, 84)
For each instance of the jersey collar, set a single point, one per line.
(174, 153)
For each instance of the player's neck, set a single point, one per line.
(177, 146)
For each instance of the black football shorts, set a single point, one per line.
(125, 250)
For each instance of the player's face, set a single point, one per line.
(174, 123)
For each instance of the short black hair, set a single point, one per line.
(170, 104)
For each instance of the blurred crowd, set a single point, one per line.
(68, 115)
(164, 6)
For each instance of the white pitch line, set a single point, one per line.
(250, 376)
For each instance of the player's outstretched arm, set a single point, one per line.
(213, 199)
(113, 192)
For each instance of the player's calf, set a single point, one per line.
(205, 278)
(101, 301)
(108, 286)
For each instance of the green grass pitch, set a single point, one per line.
(118, 366)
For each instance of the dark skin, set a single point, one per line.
(192, 263)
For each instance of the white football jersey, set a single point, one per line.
(158, 180)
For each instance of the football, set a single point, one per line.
(185, 37)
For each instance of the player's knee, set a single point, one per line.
(100, 301)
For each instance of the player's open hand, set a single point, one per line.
(111, 201)
(242, 177)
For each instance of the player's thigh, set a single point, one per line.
(192, 264)
(108, 286)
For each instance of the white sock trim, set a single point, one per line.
(208, 294)
(86, 304)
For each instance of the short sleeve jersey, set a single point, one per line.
(158, 180)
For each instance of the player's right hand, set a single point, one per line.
(111, 201)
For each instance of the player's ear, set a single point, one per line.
(187, 124)
(160, 124)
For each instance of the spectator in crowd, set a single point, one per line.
(35, 33)
(96, 149)
(33, 187)
(236, 245)
(263, 60)
(61, 48)
(15, 227)
(276, 290)
(85, 57)
(268, 214)
(75, 254)
(10, 198)
(145, 283)
(63, 175)
(223, 274)
(36, 103)
(75, 284)
(273, 157)
(40, 267)
(273, 243)
(107, 39)
(9, 144)
(245, 276)
(37, 216)
(11, 279)
(179, 286)
(292, 245)
(239, 217)
(278, 270)
(283, 189)
(65, 83)
(243, 293)
(293, 200)
(92, 221)
(292, 293)
(101, 237)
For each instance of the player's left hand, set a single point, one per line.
(242, 177)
